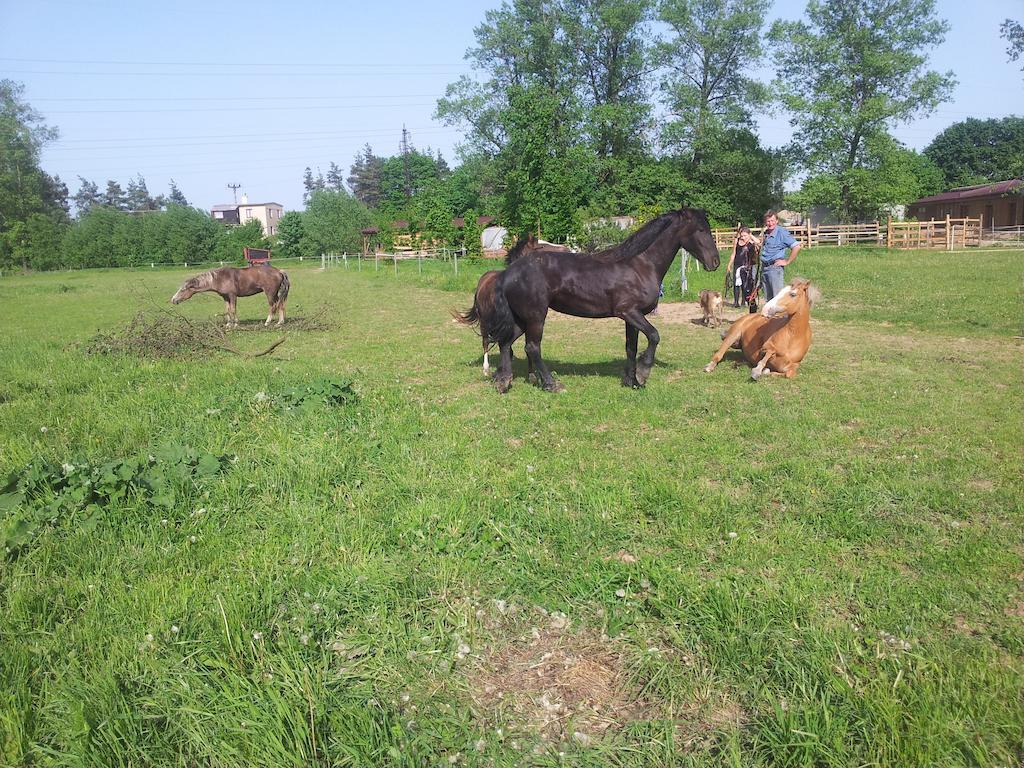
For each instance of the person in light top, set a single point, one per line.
(775, 242)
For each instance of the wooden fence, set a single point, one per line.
(945, 233)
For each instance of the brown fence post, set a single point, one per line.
(949, 234)
(888, 234)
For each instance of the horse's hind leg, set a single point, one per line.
(756, 373)
(534, 335)
(503, 377)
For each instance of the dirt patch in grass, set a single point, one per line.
(567, 685)
(557, 683)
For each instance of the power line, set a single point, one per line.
(288, 134)
(207, 63)
(230, 109)
(395, 73)
(121, 147)
(235, 98)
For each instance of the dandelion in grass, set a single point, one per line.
(68, 468)
(732, 534)
(620, 593)
(44, 430)
(175, 629)
(257, 636)
(192, 539)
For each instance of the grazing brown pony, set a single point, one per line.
(483, 297)
(231, 282)
(778, 337)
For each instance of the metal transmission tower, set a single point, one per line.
(405, 162)
(234, 191)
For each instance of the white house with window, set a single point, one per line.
(267, 214)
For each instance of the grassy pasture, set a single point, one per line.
(818, 572)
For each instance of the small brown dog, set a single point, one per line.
(711, 306)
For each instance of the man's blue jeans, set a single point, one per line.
(772, 281)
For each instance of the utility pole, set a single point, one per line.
(405, 161)
(234, 191)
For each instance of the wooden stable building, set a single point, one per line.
(997, 205)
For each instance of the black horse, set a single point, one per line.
(620, 282)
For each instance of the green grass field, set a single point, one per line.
(824, 571)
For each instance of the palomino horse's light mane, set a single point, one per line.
(202, 280)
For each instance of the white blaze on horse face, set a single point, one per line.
(776, 306)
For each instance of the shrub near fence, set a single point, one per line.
(942, 233)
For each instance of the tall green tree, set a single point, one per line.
(137, 197)
(979, 151)
(292, 238)
(333, 221)
(611, 40)
(404, 176)
(547, 176)
(1013, 32)
(709, 58)
(176, 196)
(87, 197)
(891, 175)
(365, 177)
(26, 190)
(114, 197)
(850, 73)
(335, 178)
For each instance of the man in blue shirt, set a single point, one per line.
(775, 241)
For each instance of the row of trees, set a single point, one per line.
(581, 109)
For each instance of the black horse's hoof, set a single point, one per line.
(531, 379)
(555, 386)
(503, 385)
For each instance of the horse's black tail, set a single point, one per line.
(282, 290)
(501, 325)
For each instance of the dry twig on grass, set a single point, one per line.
(168, 335)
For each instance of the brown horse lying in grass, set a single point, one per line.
(778, 337)
(231, 282)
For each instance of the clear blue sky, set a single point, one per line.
(213, 94)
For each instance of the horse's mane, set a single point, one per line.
(523, 244)
(202, 280)
(813, 292)
(636, 243)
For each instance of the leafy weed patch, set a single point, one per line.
(45, 494)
